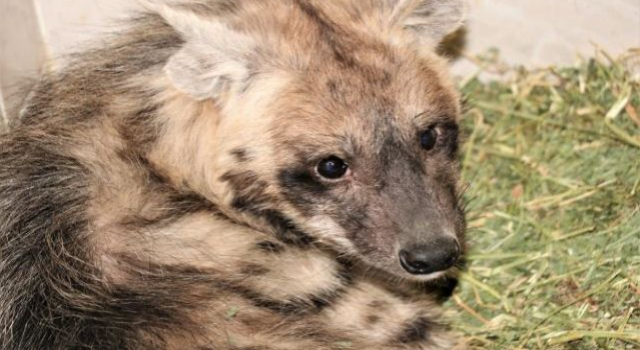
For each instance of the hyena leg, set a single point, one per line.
(388, 321)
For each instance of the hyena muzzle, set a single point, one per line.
(249, 174)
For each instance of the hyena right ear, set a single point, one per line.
(214, 56)
(429, 21)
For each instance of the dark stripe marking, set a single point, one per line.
(270, 247)
(416, 331)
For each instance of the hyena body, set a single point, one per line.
(252, 174)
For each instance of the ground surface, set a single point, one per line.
(553, 167)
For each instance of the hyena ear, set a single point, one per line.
(429, 21)
(213, 57)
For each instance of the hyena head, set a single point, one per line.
(334, 122)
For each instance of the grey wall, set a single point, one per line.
(550, 32)
(21, 50)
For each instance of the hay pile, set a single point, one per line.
(553, 166)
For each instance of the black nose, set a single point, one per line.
(436, 256)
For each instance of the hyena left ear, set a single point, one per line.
(429, 21)
(213, 57)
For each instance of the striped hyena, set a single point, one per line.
(248, 174)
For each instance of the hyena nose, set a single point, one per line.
(438, 255)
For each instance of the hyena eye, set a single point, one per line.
(429, 139)
(332, 168)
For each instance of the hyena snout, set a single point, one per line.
(435, 256)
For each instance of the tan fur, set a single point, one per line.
(185, 157)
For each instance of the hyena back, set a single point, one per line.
(250, 174)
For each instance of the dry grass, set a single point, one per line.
(553, 164)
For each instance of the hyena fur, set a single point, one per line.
(168, 189)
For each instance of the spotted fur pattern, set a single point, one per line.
(158, 192)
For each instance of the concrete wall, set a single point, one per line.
(538, 33)
(21, 50)
(67, 24)
(529, 32)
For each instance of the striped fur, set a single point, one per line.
(158, 192)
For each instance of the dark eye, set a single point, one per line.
(332, 168)
(429, 139)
